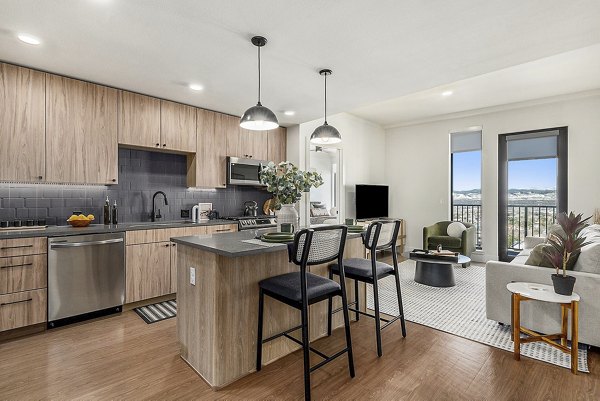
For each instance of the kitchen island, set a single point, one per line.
(217, 317)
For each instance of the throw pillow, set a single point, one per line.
(556, 229)
(589, 259)
(455, 229)
(537, 256)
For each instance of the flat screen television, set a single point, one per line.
(371, 201)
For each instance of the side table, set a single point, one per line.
(541, 292)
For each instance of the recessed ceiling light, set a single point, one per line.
(289, 112)
(447, 93)
(31, 40)
(196, 87)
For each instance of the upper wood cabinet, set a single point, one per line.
(177, 126)
(277, 145)
(244, 143)
(81, 132)
(139, 120)
(22, 124)
(207, 167)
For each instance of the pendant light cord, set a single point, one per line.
(325, 98)
(259, 75)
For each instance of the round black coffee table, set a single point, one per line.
(436, 272)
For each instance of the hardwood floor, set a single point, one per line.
(121, 357)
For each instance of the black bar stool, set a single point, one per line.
(381, 235)
(301, 289)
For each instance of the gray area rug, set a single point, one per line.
(460, 310)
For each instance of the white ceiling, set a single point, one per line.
(378, 50)
(570, 72)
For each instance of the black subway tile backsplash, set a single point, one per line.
(141, 174)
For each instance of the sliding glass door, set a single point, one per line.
(532, 185)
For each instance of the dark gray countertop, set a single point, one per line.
(59, 231)
(232, 244)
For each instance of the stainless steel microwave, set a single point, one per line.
(244, 171)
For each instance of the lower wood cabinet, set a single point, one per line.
(22, 273)
(147, 271)
(21, 309)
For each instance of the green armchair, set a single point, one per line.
(438, 234)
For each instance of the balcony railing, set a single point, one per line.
(523, 221)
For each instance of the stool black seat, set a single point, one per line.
(362, 269)
(301, 289)
(381, 235)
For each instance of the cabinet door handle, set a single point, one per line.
(164, 145)
(17, 246)
(168, 245)
(22, 265)
(173, 244)
(16, 302)
(40, 177)
(158, 144)
(223, 230)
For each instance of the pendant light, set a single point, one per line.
(325, 134)
(259, 118)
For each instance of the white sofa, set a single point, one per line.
(540, 316)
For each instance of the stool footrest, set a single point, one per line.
(283, 333)
(322, 355)
(329, 359)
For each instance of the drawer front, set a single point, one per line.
(23, 246)
(22, 273)
(146, 236)
(22, 309)
(201, 230)
(222, 228)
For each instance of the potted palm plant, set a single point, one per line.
(565, 248)
(287, 183)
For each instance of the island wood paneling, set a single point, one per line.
(177, 126)
(81, 132)
(139, 120)
(218, 317)
(22, 124)
(21, 273)
(21, 309)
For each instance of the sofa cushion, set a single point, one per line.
(445, 241)
(455, 229)
(589, 259)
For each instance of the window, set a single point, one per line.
(532, 183)
(466, 179)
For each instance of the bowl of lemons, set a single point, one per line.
(80, 220)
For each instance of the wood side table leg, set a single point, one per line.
(516, 320)
(564, 315)
(574, 335)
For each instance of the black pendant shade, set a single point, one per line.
(259, 117)
(325, 134)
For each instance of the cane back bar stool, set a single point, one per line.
(381, 235)
(301, 289)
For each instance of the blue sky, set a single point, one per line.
(523, 174)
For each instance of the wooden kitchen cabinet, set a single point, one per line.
(147, 271)
(277, 145)
(81, 132)
(241, 142)
(177, 126)
(22, 309)
(22, 124)
(207, 168)
(139, 120)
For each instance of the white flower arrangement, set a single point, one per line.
(287, 183)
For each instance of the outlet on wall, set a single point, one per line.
(185, 213)
(192, 276)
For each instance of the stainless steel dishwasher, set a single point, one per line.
(86, 277)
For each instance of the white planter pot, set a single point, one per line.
(287, 214)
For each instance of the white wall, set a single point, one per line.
(418, 163)
(363, 149)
